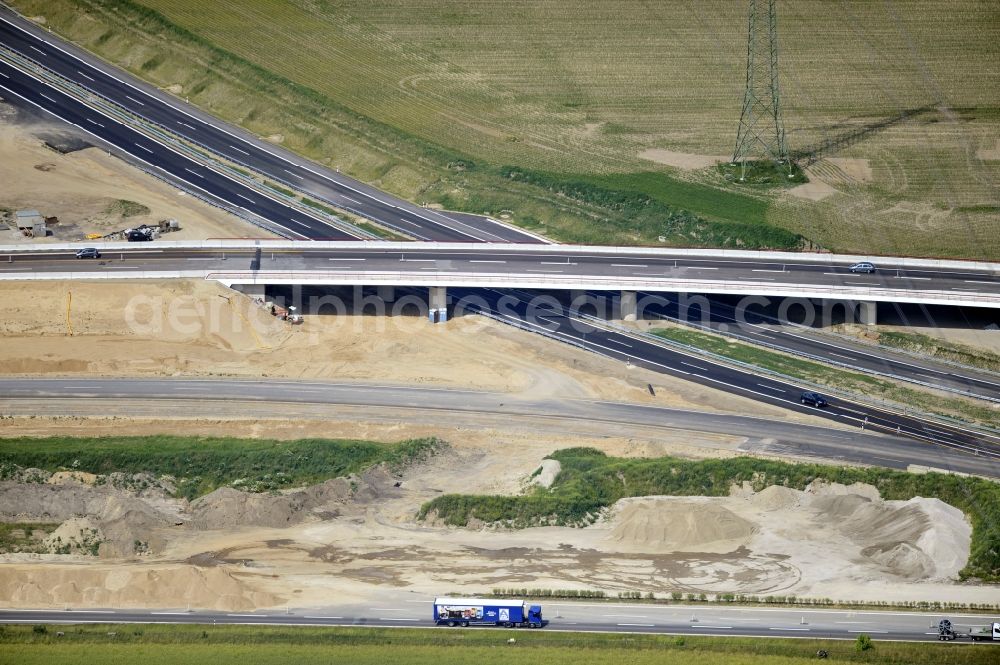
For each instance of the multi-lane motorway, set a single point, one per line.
(228, 141)
(413, 611)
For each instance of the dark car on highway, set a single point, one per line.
(88, 253)
(864, 267)
(814, 399)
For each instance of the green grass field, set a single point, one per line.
(432, 100)
(199, 465)
(240, 645)
(590, 481)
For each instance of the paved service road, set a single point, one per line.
(274, 397)
(411, 611)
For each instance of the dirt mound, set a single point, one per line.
(142, 586)
(227, 507)
(776, 497)
(669, 524)
(547, 473)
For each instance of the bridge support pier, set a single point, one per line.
(438, 302)
(627, 306)
(252, 290)
(867, 313)
(387, 292)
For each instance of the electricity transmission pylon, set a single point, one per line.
(761, 133)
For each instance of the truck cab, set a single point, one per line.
(535, 616)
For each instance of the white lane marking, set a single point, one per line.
(484, 261)
(836, 273)
(628, 265)
(308, 616)
(48, 98)
(759, 279)
(862, 283)
(4, 75)
(90, 611)
(395, 619)
(806, 629)
(840, 355)
(908, 277)
(134, 100)
(700, 369)
(240, 150)
(762, 270)
(194, 172)
(84, 75)
(700, 268)
(256, 616)
(955, 288)
(35, 48)
(533, 270)
(649, 274)
(200, 258)
(94, 122)
(347, 259)
(556, 263)
(144, 148)
(642, 625)
(706, 626)
(244, 198)
(612, 339)
(186, 125)
(348, 198)
(292, 174)
(169, 613)
(419, 260)
(868, 631)
(759, 334)
(764, 385)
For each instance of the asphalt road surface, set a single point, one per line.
(280, 398)
(406, 610)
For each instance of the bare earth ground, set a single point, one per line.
(236, 551)
(78, 187)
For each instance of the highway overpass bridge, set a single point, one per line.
(252, 265)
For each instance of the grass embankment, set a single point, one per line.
(591, 481)
(930, 346)
(213, 645)
(200, 465)
(827, 375)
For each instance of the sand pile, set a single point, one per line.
(775, 497)
(673, 524)
(135, 586)
(917, 539)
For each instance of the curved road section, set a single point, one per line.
(237, 145)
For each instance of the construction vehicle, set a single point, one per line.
(947, 632)
(486, 612)
(285, 313)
